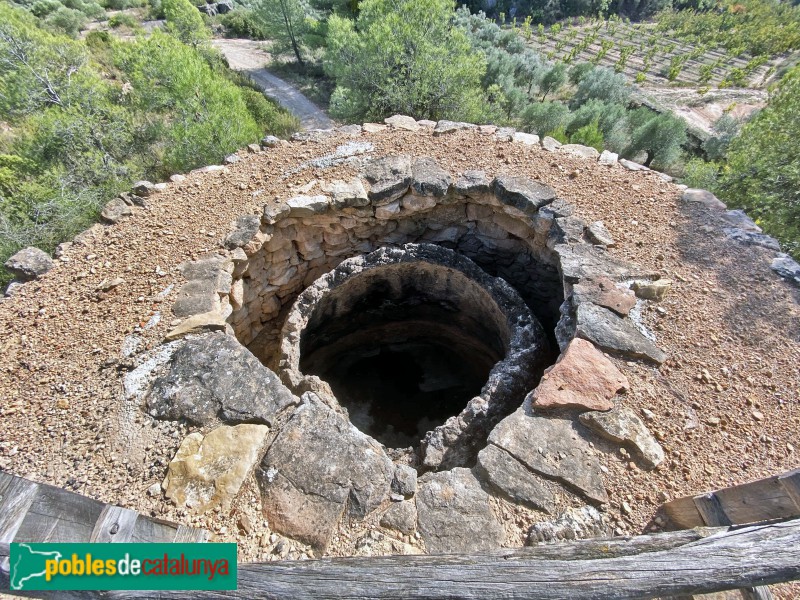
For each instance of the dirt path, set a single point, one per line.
(247, 56)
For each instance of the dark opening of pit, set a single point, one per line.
(404, 347)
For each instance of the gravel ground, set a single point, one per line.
(725, 404)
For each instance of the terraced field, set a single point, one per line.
(651, 58)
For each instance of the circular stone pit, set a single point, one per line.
(406, 337)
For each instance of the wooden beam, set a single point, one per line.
(767, 499)
(664, 564)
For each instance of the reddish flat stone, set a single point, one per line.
(582, 378)
(602, 291)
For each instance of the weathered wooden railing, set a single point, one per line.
(676, 563)
(37, 512)
(775, 497)
(666, 564)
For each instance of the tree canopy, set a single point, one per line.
(403, 56)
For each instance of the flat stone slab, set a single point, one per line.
(529, 139)
(652, 290)
(785, 266)
(703, 197)
(614, 334)
(553, 448)
(209, 470)
(443, 127)
(580, 151)
(29, 263)
(429, 179)
(573, 524)
(513, 479)
(307, 206)
(751, 238)
(473, 184)
(522, 193)
(604, 292)
(550, 144)
(454, 514)
(632, 166)
(389, 178)
(347, 194)
(598, 234)
(319, 468)
(213, 377)
(115, 211)
(200, 323)
(739, 219)
(583, 261)
(623, 426)
(582, 378)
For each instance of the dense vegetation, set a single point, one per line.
(85, 119)
(762, 173)
(403, 57)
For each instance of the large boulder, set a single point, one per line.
(213, 377)
(29, 263)
(454, 514)
(318, 469)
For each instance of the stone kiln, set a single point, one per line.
(406, 337)
(408, 313)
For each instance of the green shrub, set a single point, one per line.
(763, 170)
(129, 110)
(589, 135)
(579, 71)
(241, 23)
(270, 118)
(123, 20)
(42, 8)
(66, 20)
(89, 8)
(123, 4)
(559, 134)
(403, 57)
(602, 84)
(544, 117)
(185, 22)
(698, 173)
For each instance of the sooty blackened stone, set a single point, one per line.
(214, 377)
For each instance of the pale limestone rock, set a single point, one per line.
(655, 290)
(623, 426)
(402, 122)
(208, 471)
